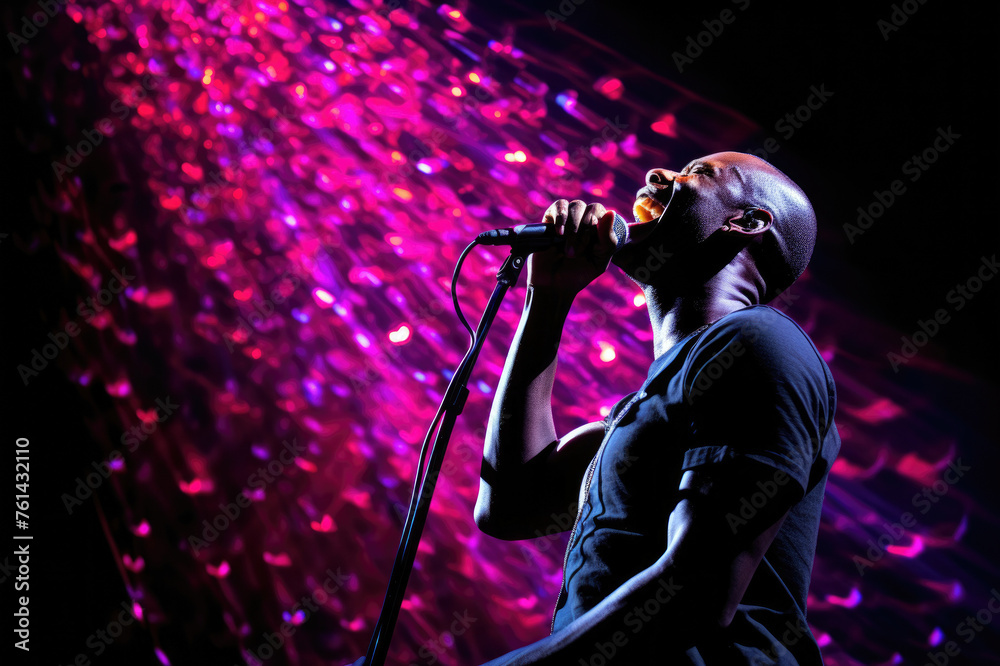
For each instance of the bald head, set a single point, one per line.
(705, 216)
(783, 252)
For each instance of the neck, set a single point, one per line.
(679, 312)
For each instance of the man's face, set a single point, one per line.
(677, 210)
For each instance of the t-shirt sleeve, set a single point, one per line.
(757, 391)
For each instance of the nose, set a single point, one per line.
(660, 177)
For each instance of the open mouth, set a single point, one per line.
(646, 209)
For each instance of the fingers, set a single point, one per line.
(607, 240)
(584, 233)
(573, 220)
(556, 214)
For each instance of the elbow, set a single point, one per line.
(484, 518)
(481, 514)
(489, 524)
(725, 616)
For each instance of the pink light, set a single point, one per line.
(196, 487)
(879, 411)
(639, 300)
(120, 388)
(850, 601)
(325, 524)
(607, 352)
(159, 299)
(135, 565)
(171, 202)
(220, 571)
(915, 548)
(277, 559)
(666, 124)
(400, 336)
(306, 465)
(323, 297)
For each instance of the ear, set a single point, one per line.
(753, 222)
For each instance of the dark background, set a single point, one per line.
(939, 69)
(890, 96)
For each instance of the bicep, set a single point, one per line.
(543, 498)
(560, 473)
(713, 539)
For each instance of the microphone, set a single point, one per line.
(535, 237)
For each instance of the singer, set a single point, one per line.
(697, 499)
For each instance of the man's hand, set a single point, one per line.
(589, 244)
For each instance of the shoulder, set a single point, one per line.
(760, 324)
(761, 339)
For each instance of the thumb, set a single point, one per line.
(607, 241)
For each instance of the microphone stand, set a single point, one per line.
(452, 403)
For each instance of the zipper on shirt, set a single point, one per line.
(586, 500)
(641, 393)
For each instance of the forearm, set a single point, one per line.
(520, 423)
(658, 606)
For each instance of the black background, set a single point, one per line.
(890, 96)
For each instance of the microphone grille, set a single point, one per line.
(620, 230)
